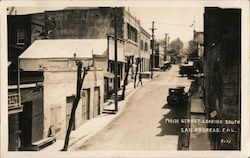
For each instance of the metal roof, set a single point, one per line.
(65, 48)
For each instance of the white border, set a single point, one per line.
(244, 5)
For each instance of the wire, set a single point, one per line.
(145, 22)
(173, 24)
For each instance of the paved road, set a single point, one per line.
(142, 124)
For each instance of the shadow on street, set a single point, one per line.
(175, 112)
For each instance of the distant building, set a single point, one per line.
(222, 63)
(199, 39)
(158, 56)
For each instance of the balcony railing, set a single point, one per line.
(13, 104)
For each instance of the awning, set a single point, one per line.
(109, 74)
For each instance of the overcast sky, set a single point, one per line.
(173, 21)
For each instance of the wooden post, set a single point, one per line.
(137, 68)
(79, 84)
(126, 77)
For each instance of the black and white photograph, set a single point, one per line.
(125, 78)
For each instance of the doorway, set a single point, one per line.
(85, 104)
(25, 126)
(96, 108)
(69, 105)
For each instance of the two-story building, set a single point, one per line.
(56, 62)
(97, 23)
(222, 74)
(144, 50)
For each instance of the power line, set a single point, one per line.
(173, 24)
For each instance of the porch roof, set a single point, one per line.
(65, 48)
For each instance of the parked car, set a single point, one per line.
(198, 64)
(177, 96)
(166, 65)
(187, 69)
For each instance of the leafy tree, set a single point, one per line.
(192, 49)
(176, 46)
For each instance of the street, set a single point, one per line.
(142, 124)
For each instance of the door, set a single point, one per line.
(106, 88)
(25, 125)
(96, 106)
(69, 105)
(85, 104)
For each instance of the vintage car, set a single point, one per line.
(197, 62)
(187, 69)
(177, 96)
(166, 65)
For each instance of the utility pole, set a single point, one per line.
(168, 43)
(194, 23)
(165, 48)
(153, 48)
(194, 28)
(116, 65)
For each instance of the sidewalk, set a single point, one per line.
(198, 140)
(93, 126)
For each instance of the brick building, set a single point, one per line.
(222, 62)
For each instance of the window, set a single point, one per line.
(146, 46)
(20, 36)
(141, 45)
(132, 33)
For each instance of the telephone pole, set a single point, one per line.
(194, 23)
(115, 64)
(153, 48)
(194, 28)
(165, 48)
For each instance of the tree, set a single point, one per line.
(80, 79)
(192, 50)
(125, 82)
(176, 46)
(161, 42)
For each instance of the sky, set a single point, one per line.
(174, 21)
